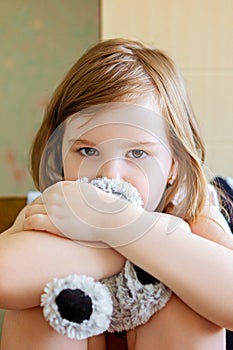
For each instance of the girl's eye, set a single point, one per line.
(137, 153)
(88, 151)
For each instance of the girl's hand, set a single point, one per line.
(71, 209)
(80, 211)
(37, 218)
(58, 211)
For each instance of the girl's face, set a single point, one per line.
(123, 141)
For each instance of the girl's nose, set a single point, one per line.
(115, 168)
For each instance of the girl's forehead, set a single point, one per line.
(116, 120)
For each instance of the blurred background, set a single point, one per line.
(40, 40)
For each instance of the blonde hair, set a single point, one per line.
(112, 70)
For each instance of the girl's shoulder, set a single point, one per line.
(211, 223)
(211, 196)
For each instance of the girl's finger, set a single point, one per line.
(39, 222)
(35, 209)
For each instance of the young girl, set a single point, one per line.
(121, 112)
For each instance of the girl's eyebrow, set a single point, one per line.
(143, 144)
(129, 143)
(147, 143)
(89, 142)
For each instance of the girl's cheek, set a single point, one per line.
(143, 188)
(70, 169)
(153, 192)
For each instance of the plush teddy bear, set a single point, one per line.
(79, 307)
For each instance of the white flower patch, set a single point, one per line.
(101, 306)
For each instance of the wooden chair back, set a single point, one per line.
(10, 206)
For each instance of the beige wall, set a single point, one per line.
(198, 35)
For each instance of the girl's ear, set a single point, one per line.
(173, 172)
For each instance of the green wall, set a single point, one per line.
(39, 40)
(1, 320)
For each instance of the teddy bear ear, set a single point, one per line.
(77, 306)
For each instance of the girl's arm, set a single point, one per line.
(29, 259)
(199, 271)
